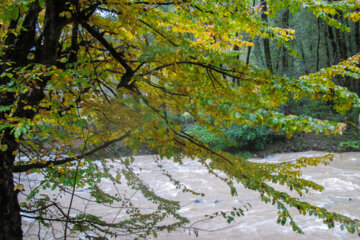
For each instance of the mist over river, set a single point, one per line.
(341, 180)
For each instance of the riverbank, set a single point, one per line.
(313, 142)
(349, 141)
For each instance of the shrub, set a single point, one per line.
(236, 137)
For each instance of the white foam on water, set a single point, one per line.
(338, 181)
(338, 184)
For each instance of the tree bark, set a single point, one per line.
(328, 58)
(266, 41)
(318, 46)
(333, 45)
(340, 39)
(303, 58)
(284, 55)
(249, 48)
(357, 36)
(18, 52)
(10, 220)
(349, 36)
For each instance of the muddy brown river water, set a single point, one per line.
(341, 180)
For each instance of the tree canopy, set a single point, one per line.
(85, 74)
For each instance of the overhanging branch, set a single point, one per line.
(206, 66)
(24, 168)
(129, 72)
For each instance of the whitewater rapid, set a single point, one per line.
(341, 180)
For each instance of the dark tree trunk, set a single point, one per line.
(357, 36)
(333, 45)
(284, 55)
(349, 36)
(10, 220)
(18, 52)
(248, 55)
(249, 48)
(328, 58)
(266, 41)
(318, 46)
(267, 53)
(236, 48)
(340, 39)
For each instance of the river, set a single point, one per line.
(341, 180)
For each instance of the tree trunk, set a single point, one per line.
(357, 36)
(328, 58)
(333, 45)
(267, 54)
(284, 54)
(266, 41)
(10, 220)
(318, 46)
(341, 44)
(249, 48)
(303, 58)
(248, 55)
(349, 36)
(258, 54)
(18, 51)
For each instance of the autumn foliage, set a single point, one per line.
(79, 75)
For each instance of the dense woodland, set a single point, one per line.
(81, 80)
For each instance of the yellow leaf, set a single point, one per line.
(66, 14)
(288, 135)
(19, 187)
(118, 177)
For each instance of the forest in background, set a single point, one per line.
(316, 45)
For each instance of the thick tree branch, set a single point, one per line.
(26, 39)
(129, 72)
(98, 36)
(24, 168)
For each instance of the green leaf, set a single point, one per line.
(118, 176)
(5, 108)
(4, 147)
(14, 12)
(81, 123)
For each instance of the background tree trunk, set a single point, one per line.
(357, 36)
(284, 54)
(266, 41)
(318, 45)
(333, 45)
(328, 58)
